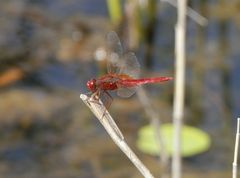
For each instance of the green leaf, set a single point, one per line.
(115, 11)
(194, 141)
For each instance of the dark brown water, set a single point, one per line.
(46, 130)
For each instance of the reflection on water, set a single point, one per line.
(46, 131)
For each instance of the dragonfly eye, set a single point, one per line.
(91, 85)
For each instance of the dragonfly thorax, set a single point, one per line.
(91, 85)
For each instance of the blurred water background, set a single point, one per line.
(47, 53)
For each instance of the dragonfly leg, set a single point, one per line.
(88, 93)
(95, 97)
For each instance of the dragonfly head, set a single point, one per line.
(91, 85)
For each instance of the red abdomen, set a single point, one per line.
(135, 82)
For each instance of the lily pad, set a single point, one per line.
(194, 141)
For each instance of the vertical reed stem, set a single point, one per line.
(234, 164)
(178, 106)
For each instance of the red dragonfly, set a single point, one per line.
(123, 71)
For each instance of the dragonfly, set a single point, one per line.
(122, 76)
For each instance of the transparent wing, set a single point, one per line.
(126, 92)
(114, 52)
(106, 99)
(117, 62)
(129, 65)
(123, 65)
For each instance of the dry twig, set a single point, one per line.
(112, 129)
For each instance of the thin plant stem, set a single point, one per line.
(178, 105)
(234, 164)
(198, 18)
(156, 123)
(99, 110)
